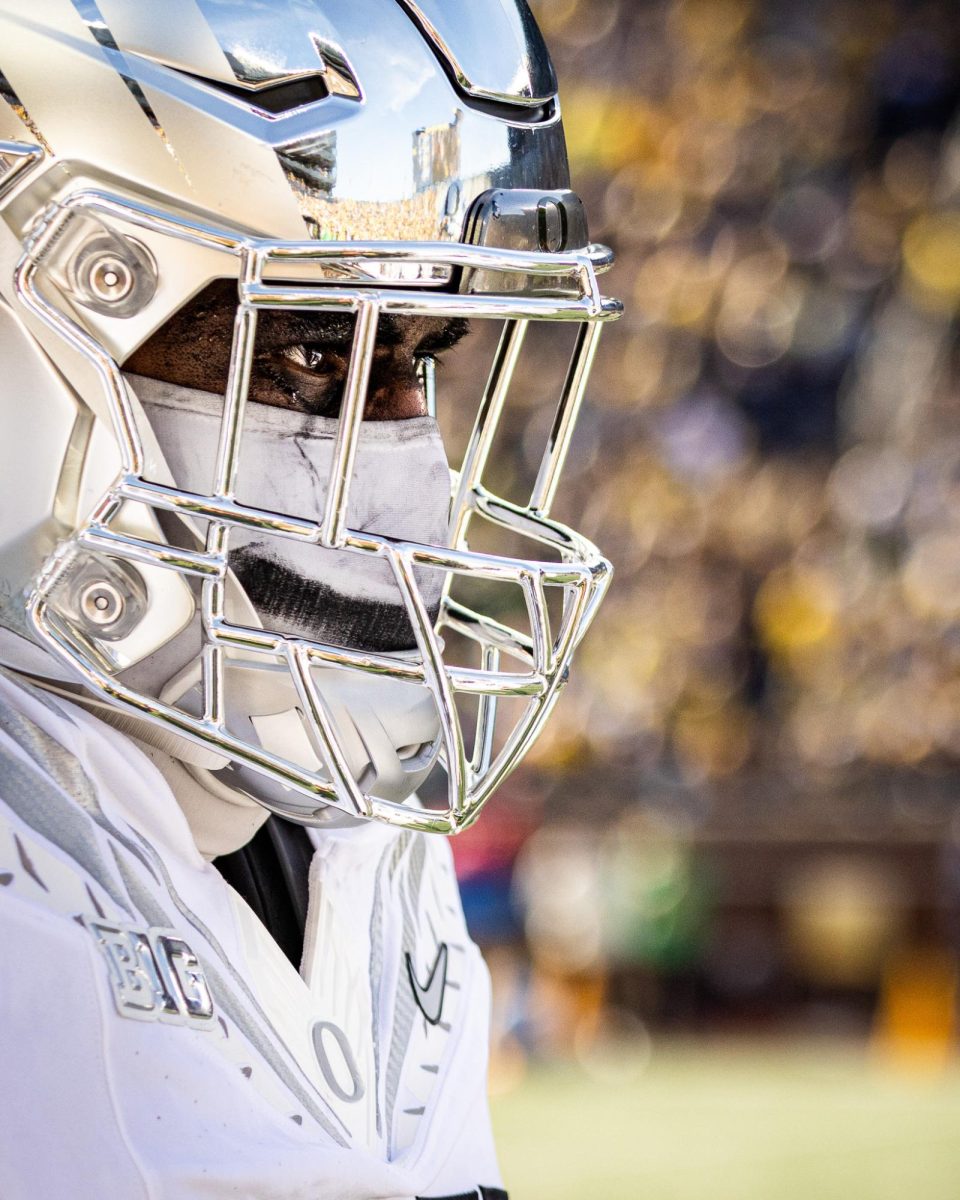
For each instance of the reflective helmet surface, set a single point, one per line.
(358, 156)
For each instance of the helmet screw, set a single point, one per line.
(110, 279)
(113, 276)
(101, 603)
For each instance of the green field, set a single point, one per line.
(733, 1121)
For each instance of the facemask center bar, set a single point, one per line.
(228, 461)
(351, 414)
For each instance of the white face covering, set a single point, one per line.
(400, 488)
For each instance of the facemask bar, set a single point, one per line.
(581, 573)
(16, 158)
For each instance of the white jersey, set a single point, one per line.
(156, 1042)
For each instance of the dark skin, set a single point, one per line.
(300, 357)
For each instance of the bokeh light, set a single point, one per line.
(746, 799)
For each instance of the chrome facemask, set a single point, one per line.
(146, 554)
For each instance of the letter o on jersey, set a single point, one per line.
(337, 1063)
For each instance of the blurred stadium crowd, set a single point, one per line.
(771, 458)
(777, 419)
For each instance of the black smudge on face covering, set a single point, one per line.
(307, 608)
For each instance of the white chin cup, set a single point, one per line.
(387, 729)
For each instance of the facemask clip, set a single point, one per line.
(104, 598)
(103, 271)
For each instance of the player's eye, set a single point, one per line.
(326, 362)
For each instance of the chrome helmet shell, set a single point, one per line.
(369, 156)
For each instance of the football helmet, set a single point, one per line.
(384, 160)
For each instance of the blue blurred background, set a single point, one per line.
(722, 903)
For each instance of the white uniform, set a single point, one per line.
(155, 1040)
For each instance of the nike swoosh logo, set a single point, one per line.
(429, 996)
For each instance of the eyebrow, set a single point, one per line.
(454, 330)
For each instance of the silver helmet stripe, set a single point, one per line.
(297, 40)
(109, 116)
(90, 13)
